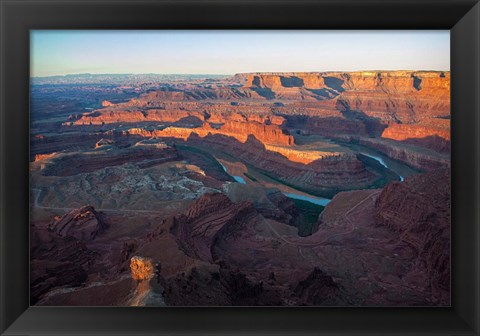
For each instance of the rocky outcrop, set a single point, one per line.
(85, 224)
(146, 292)
(205, 219)
(142, 268)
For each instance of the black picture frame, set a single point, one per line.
(17, 17)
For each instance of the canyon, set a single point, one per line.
(305, 188)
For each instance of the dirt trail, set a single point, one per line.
(345, 216)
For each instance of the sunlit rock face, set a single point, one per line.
(241, 131)
(432, 134)
(142, 268)
(147, 290)
(405, 96)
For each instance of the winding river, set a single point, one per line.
(382, 162)
(291, 193)
(311, 199)
(237, 171)
(239, 179)
(299, 195)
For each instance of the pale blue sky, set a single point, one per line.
(57, 52)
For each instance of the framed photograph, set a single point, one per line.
(240, 168)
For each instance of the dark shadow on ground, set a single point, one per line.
(334, 83)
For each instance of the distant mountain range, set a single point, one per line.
(119, 79)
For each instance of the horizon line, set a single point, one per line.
(236, 73)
